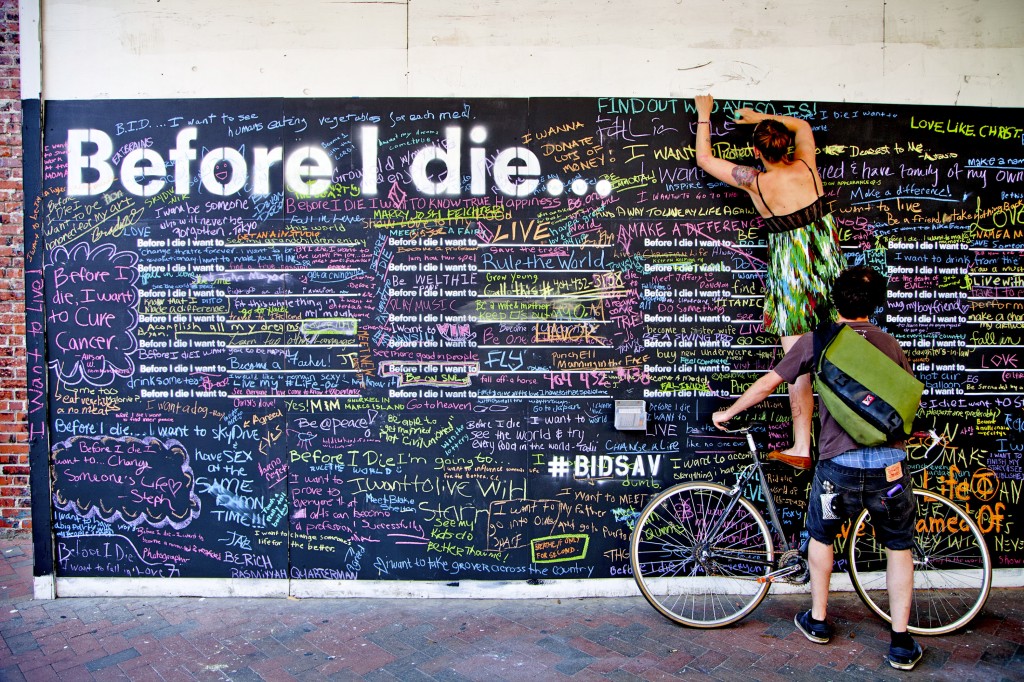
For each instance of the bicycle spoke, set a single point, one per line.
(952, 567)
(697, 554)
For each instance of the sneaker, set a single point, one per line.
(819, 633)
(905, 659)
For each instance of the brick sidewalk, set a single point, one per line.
(447, 639)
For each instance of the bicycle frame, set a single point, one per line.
(754, 471)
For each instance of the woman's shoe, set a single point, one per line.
(802, 463)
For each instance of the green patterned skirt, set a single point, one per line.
(802, 264)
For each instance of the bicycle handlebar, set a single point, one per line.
(747, 429)
(740, 428)
(935, 440)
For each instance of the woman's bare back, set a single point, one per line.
(784, 188)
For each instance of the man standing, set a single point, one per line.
(850, 477)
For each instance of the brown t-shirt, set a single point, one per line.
(799, 360)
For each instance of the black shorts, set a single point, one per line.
(893, 514)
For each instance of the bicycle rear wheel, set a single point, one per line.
(697, 552)
(952, 567)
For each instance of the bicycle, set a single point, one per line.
(703, 555)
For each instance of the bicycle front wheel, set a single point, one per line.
(700, 554)
(952, 567)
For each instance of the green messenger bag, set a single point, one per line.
(873, 398)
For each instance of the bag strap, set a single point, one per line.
(824, 333)
(823, 336)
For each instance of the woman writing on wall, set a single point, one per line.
(804, 256)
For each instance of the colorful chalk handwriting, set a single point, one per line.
(383, 339)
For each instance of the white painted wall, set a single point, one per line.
(966, 52)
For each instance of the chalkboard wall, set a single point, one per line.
(383, 339)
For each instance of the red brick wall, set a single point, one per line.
(14, 467)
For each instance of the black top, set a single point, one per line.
(798, 218)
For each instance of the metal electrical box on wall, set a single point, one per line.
(631, 415)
